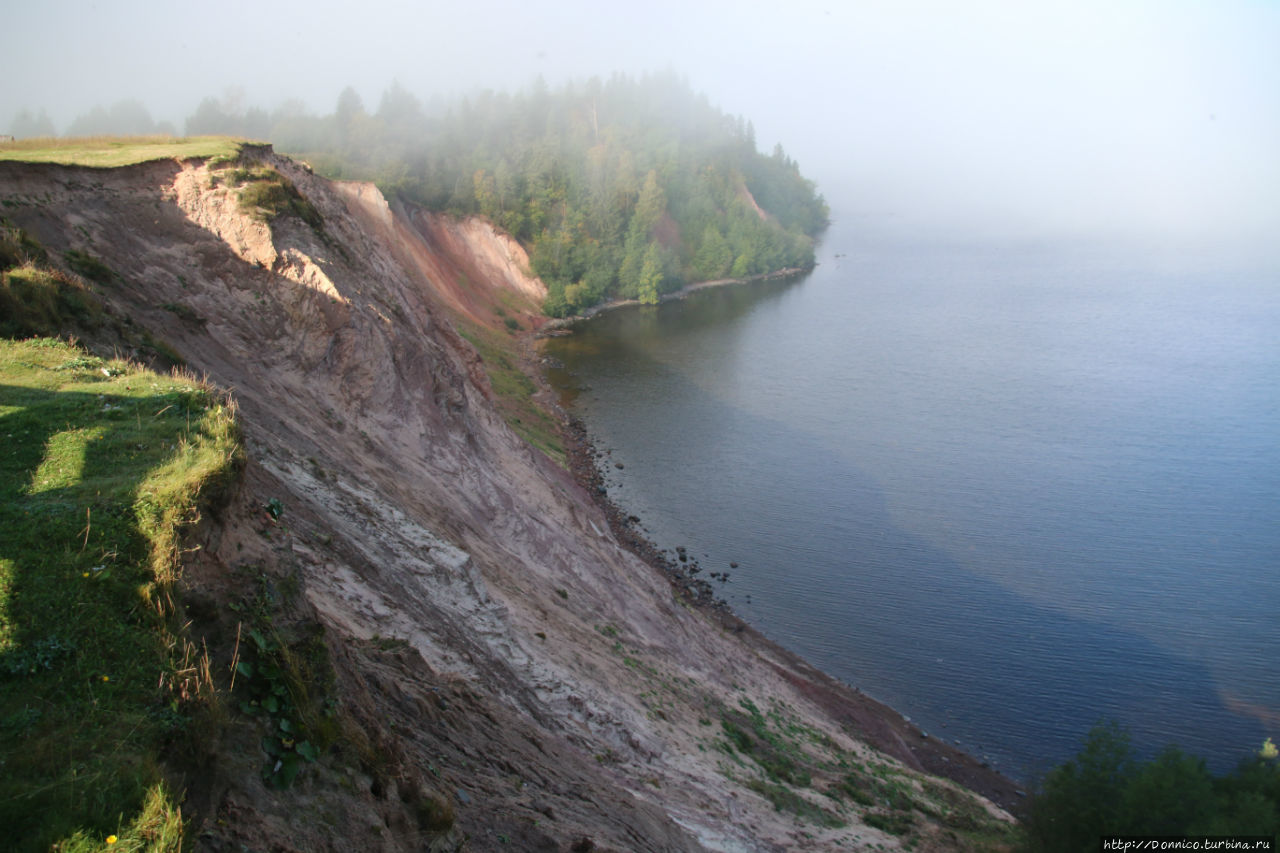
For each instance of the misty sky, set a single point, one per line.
(1158, 117)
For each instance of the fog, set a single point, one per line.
(1156, 119)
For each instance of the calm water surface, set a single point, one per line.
(1009, 490)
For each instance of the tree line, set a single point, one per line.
(1106, 790)
(625, 188)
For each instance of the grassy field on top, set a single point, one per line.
(102, 463)
(109, 151)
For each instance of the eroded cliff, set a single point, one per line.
(503, 673)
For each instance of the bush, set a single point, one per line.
(1167, 795)
(1105, 790)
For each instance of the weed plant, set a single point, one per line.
(283, 684)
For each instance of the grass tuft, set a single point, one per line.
(18, 248)
(157, 828)
(265, 194)
(40, 302)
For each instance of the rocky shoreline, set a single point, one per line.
(582, 457)
(868, 719)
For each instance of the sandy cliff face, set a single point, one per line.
(489, 636)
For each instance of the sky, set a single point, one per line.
(1127, 117)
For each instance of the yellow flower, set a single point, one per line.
(1269, 749)
(111, 839)
(85, 575)
(106, 678)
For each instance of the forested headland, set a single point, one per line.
(620, 189)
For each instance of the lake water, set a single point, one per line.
(1010, 490)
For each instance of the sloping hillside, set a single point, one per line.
(483, 664)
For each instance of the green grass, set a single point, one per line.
(101, 466)
(111, 151)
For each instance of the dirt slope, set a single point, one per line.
(495, 651)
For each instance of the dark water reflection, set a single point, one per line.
(1010, 493)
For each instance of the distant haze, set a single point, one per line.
(1153, 119)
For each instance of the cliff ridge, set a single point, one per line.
(502, 671)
